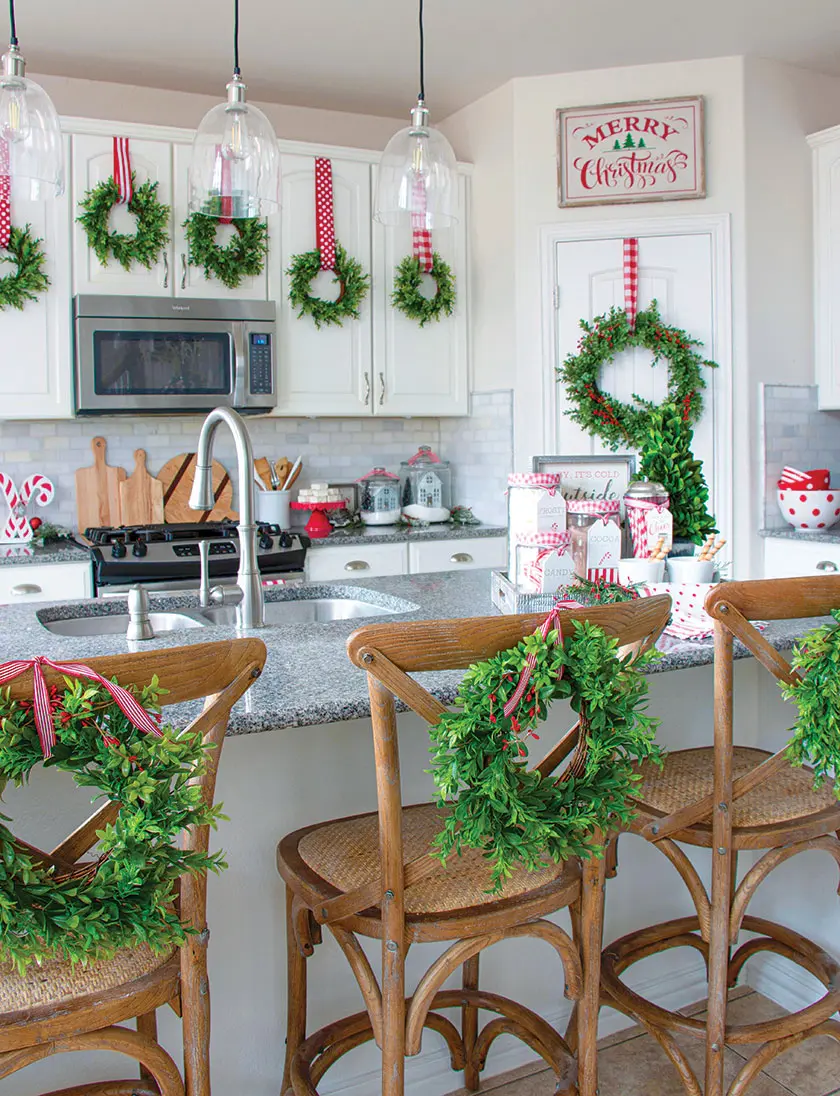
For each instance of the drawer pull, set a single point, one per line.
(826, 565)
(357, 565)
(461, 557)
(30, 588)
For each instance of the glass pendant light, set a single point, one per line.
(235, 165)
(417, 174)
(29, 125)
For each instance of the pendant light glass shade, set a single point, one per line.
(417, 176)
(29, 125)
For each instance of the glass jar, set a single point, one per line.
(580, 515)
(379, 497)
(426, 486)
(647, 507)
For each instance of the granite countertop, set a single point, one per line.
(308, 679)
(789, 533)
(62, 551)
(399, 534)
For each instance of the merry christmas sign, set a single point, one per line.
(631, 152)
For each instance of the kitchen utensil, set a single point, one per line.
(273, 508)
(141, 495)
(258, 482)
(293, 474)
(283, 467)
(98, 490)
(177, 477)
(263, 469)
(813, 511)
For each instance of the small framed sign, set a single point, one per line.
(601, 477)
(631, 152)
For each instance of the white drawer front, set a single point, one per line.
(787, 559)
(45, 582)
(452, 555)
(360, 561)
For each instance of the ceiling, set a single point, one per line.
(361, 55)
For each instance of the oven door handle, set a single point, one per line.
(239, 348)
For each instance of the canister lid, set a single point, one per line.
(644, 489)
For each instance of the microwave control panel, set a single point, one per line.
(260, 369)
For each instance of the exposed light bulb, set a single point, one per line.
(15, 124)
(237, 144)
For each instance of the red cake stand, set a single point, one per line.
(318, 525)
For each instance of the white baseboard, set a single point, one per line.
(429, 1074)
(783, 982)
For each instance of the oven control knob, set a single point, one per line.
(139, 548)
(285, 540)
(118, 549)
(266, 541)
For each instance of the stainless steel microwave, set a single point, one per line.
(159, 355)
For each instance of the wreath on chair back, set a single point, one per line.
(606, 336)
(125, 896)
(29, 279)
(407, 297)
(149, 239)
(242, 257)
(353, 282)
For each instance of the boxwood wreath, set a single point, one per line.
(242, 257)
(29, 279)
(149, 239)
(351, 277)
(125, 898)
(407, 298)
(497, 805)
(618, 423)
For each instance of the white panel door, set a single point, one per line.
(420, 370)
(677, 272)
(190, 281)
(93, 161)
(326, 371)
(36, 368)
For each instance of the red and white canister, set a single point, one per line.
(595, 536)
(535, 505)
(647, 505)
(534, 553)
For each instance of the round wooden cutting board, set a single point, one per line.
(177, 477)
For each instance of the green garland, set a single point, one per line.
(29, 279)
(509, 812)
(242, 257)
(407, 297)
(348, 272)
(816, 733)
(152, 234)
(128, 899)
(606, 336)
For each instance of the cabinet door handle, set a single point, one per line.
(367, 389)
(183, 270)
(25, 588)
(826, 565)
(461, 557)
(357, 565)
(381, 389)
(165, 271)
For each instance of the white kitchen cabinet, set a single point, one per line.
(420, 370)
(326, 370)
(36, 375)
(457, 555)
(45, 582)
(354, 561)
(826, 182)
(785, 558)
(93, 162)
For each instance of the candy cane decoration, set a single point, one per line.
(40, 487)
(17, 527)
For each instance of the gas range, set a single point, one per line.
(165, 558)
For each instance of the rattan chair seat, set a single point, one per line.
(58, 982)
(345, 855)
(688, 775)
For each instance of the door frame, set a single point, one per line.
(718, 228)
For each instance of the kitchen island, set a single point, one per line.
(300, 751)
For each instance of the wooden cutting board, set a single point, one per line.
(177, 477)
(141, 495)
(98, 491)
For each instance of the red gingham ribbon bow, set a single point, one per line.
(551, 622)
(134, 712)
(5, 195)
(324, 215)
(631, 281)
(122, 170)
(421, 235)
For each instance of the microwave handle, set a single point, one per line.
(240, 364)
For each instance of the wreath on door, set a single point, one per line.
(242, 257)
(407, 298)
(145, 244)
(348, 272)
(618, 423)
(29, 279)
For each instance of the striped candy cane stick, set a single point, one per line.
(40, 488)
(16, 526)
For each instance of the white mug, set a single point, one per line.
(690, 569)
(632, 571)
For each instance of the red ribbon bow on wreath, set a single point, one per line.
(134, 712)
(551, 622)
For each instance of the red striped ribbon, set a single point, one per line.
(134, 712)
(421, 236)
(551, 622)
(5, 195)
(122, 170)
(225, 190)
(324, 215)
(631, 281)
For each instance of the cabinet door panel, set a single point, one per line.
(324, 371)
(784, 558)
(329, 564)
(45, 582)
(93, 161)
(420, 370)
(465, 554)
(190, 281)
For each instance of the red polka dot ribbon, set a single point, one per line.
(122, 170)
(631, 281)
(421, 235)
(324, 216)
(5, 195)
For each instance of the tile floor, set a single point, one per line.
(632, 1064)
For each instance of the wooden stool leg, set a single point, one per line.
(592, 941)
(469, 1025)
(147, 1025)
(295, 994)
(393, 1024)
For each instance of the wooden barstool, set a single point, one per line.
(56, 1008)
(728, 798)
(372, 875)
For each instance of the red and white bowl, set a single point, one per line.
(811, 511)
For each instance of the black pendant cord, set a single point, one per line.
(13, 41)
(422, 95)
(236, 69)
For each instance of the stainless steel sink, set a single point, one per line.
(116, 624)
(303, 611)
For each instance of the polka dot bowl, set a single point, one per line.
(809, 511)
